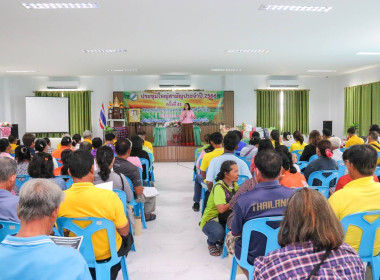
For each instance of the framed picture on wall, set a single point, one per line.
(134, 115)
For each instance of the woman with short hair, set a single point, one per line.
(311, 237)
(311, 148)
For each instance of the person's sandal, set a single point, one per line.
(214, 251)
(151, 217)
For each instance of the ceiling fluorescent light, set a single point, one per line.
(123, 70)
(226, 70)
(105, 51)
(44, 6)
(264, 7)
(368, 53)
(321, 71)
(21, 71)
(246, 51)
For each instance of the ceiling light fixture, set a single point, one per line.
(290, 8)
(44, 6)
(247, 51)
(105, 51)
(226, 70)
(321, 71)
(123, 70)
(21, 71)
(368, 53)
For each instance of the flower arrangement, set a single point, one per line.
(5, 124)
(173, 124)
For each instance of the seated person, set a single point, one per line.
(13, 141)
(206, 144)
(299, 144)
(77, 139)
(216, 140)
(311, 148)
(87, 136)
(137, 151)
(84, 200)
(335, 146)
(352, 138)
(267, 198)
(50, 148)
(64, 169)
(275, 138)
(305, 243)
(37, 255)
(105, 160)
(23, 157)
(8, 201)
(372, 140)
(41, 147)
(123, 166)
(361, 194)
(5, 148)
(264, 144)
(214, 218)
(65, 144)
(287, 139)
(85, 145)
(251, 149)
(230, 143)
(142, 135)
(324, 161)
(110, 141)
(41, 166)
(241, 144)
(289, 176)
(96, 144)
(326, 134)
(28, 141)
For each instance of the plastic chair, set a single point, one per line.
(259, 225)
(326, 177)
(7, 228)
(137, 206)
(325, 190)
(342, 149)
(341, 167)
(123, 197)
(203, 196)
(245, 160)
(69, 181)
(367, 241)
(102, 269)
(20, 182)
(298, 153)
(302, 165)
(377, 171)
(59, 162)
(242, 179)
(225, 253)
(151, 167)
(314, 157)
(145, 162)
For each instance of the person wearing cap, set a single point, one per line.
(65, 144)
(87, 136)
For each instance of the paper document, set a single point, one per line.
(105, 186)
(150, 192)
(69, 242)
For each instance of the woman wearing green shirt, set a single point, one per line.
(214, 218)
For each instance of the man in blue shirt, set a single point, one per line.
(8, 201)
(36, 255)
(268, 198)
(230, 144)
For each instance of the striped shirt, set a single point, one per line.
(296, 261)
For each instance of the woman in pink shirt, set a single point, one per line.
(5, 148)
(186, 118)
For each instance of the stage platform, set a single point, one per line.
(174, 153)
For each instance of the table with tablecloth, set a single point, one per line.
(171, 136)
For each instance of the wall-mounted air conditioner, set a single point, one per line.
(282, 82)
(63, 84)
(174, 81)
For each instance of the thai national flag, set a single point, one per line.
(102, 118)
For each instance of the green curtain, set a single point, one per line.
(296, 111)
(358, 107)
(79, 110)
(375, 118)
(268, 108)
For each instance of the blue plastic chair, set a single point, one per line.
(69, 181)
(302, 165)
(151, 167)
(298, 153)
(225, 253)
(123, 197)
(341, 167)
(203, 196)
(325, 176)
(367, 241)
(7, 228)
(314, 157)
(259, 225)
(138, 207)
(59, 162)
(342, 149)
(377, 171)
(20, 180)
(102, 269)
(242, 179)
(245, 160)
(145, 162)
(325, 190)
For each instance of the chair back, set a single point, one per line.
(259, 225)
(7, 228)
(327, 177)
(302, 165)
(86, 248)
(369, 229)
(314, 157)
(151, 167)
(59, 162)
(377, 171)
(123, 197)
(69, 181)
(341, 167)
(325, 190)
(247, 162)
(137, 206)
(242, 179)
(298, 153)
(20, 180)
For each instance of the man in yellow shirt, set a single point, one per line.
(352, 138)
(361, 194)
(83, 199)
(372, 140)
(87, 136)
(147, 144)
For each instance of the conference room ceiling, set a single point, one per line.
(189, 37)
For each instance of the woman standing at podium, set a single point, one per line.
(186, 118)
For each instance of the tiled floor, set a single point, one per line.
(173, 246)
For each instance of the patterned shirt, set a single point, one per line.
(296, 261)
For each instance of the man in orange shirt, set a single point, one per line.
(65, 144)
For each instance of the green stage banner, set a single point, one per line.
(166, 106)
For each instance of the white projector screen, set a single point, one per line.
(47, 114)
